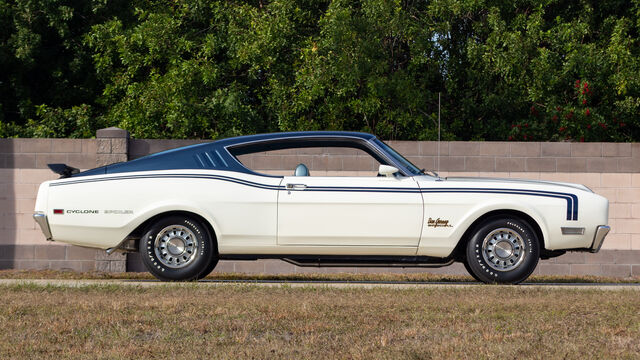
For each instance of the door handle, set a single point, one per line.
(296, 186)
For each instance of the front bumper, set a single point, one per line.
(41, 219)
(598, 238)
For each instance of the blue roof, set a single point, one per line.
(301, 134)
(213, 155)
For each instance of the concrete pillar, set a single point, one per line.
(112, 147)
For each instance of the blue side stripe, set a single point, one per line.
(572, 200)
(170, 176)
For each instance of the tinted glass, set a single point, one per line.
(414, 170)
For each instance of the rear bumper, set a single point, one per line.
(598, 238)
(41, 219)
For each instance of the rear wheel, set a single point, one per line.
(177, 248)
(503, 250)
(208, 269)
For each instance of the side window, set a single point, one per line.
(320, 161)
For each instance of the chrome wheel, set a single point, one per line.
(176, 246)
(503, 249)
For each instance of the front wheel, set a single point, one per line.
(177, 248)
(468, 268)
(503, 250)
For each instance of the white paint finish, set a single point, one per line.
(387, 170)
(347, 215)
(318, 250)
(248, 219)
(550, 214)
(237, 212)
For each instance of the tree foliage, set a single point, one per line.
(550, 70)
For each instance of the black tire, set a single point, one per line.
(503, 250)
(468, 268)
(177, 248)
(208, 269)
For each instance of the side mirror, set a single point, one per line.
(387, 170)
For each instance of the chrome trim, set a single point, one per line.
(401, 168)
(572, 230)
(176, 246)
(295, 186)
(598, 238)
(41, 219)
(347, 263)
(504, 249)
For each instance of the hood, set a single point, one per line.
(518, 181)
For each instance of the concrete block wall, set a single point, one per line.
(23, 166)
(612, 170)
(609, 169)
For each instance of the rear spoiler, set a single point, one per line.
(63, 170)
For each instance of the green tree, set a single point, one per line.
(554, 70)
(198, 69)
(46, 67)
(369, 67)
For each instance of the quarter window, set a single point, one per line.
(320, 161)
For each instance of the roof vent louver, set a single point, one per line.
(221, 159)
(200, 161)
(210, 160)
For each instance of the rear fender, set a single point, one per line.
(169, 206)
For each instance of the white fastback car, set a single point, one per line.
(187, 208)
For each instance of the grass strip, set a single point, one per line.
(114, 321)
(385, 277)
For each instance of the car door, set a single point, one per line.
(349, 211)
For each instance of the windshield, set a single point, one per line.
(414, 170)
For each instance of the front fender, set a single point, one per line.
(441, 241)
